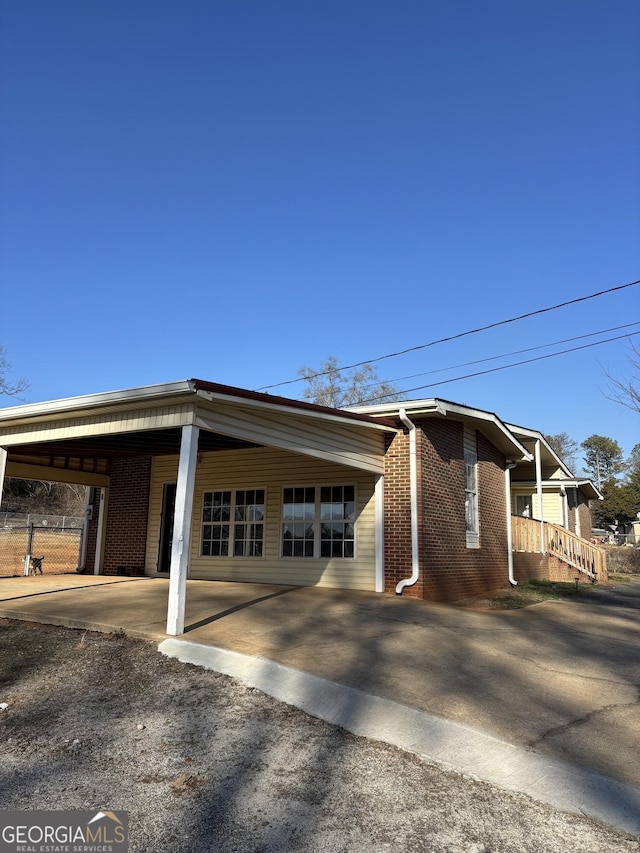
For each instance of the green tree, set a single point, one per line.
(566, 448)
(621, 502)
(329, 385)
(602, 458)
(9, 387)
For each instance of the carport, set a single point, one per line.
(80, 439)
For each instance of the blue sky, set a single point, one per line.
(231, 190)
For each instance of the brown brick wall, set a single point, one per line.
(559, 571)
(127, 514)
(448, 569)
(585, 518)
(528, 566)
(581, 509)
(397, 514)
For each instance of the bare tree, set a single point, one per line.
(43, 497)
(330, 385)
(627, 391)
(566, 448)
(9, 387)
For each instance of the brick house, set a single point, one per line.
(200, 480)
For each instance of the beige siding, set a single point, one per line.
(98, 424)
(270, 469)
(346, 444)
(551, 507)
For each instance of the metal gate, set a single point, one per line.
(57, 548)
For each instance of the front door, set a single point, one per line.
(166, 526)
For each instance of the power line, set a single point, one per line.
(504, 355)
(502, 367)
(458, 335)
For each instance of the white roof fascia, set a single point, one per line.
(213, 397)
(90, 401)
(538, 436)
(391, 409)
(557, 484)
(578, 484)
(435, 406)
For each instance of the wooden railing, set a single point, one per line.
(559, 542)
(576, 552)
(526, 535)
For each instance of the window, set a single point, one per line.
(471, 489)
(524, 506)
(318, 521)
(233, 523)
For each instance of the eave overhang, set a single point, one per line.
(487, 422)
(587, 488)
(547, 454)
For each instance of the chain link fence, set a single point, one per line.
(35, 544)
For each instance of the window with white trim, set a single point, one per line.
(524, 506)
(233, 523)
(318, 521)
(472, 520)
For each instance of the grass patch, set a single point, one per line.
(619, 578)
(533, 592)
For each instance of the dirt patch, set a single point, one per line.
(202, 762)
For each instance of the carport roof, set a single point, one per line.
(80, 435)
(150, 394)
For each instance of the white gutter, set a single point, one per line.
(106, 398)
(507, 489)
(413, 480)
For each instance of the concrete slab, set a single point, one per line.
(557, 678)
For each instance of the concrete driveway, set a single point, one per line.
(559, 678)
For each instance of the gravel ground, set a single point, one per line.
(203, 763)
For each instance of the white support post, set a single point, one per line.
(101, 530)
(539, 493)
(379, 532)
(182, 530)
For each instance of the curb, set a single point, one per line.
(454, 747)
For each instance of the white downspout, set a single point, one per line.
(507, 489)
(413, 482)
